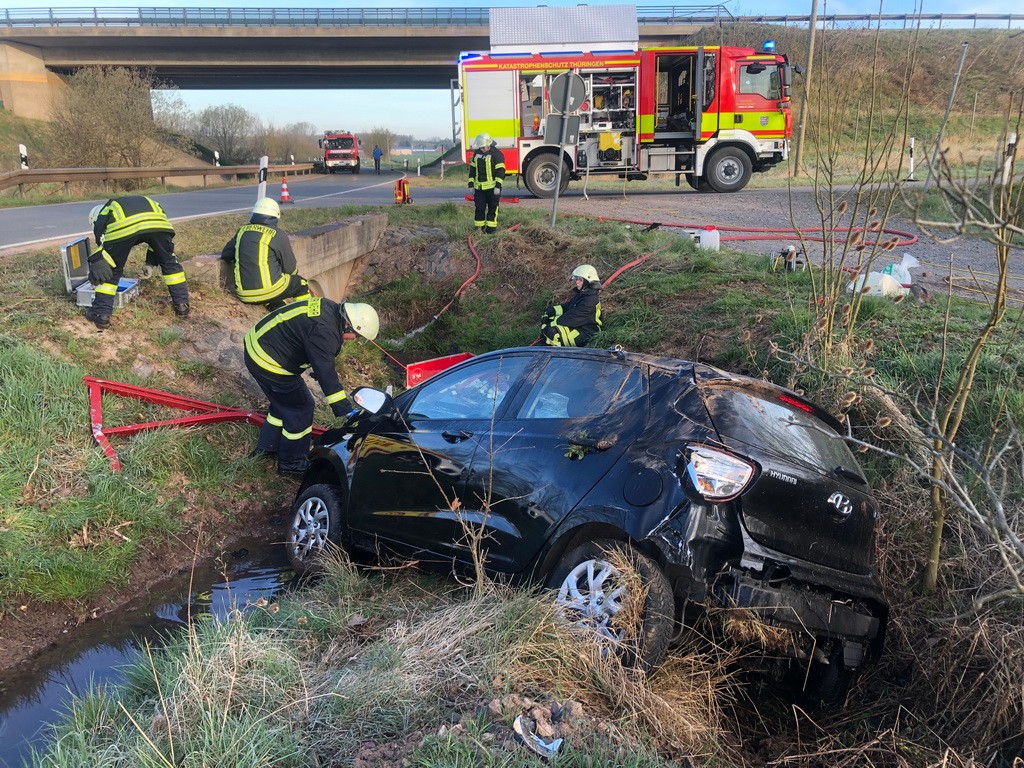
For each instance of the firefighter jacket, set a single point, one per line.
(487, 169)
(304, 334)
(261, 259)
(127, 216)
(574, 323)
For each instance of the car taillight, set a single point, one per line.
(717, 476)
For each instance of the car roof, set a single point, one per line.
(670, 364)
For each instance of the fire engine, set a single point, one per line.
(711, 115)
(341, 151)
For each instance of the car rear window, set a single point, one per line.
(778, 427)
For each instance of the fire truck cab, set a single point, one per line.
(711, 115)
(341, 151)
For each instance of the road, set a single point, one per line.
(40, 225)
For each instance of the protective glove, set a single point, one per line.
(549, 314)
(100, 271)
(471, 185)
(497, 191)
(343, 408)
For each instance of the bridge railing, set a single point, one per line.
(67, 175)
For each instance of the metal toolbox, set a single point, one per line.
(75, 261)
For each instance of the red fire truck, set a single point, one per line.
(341, 151)
(711, 115)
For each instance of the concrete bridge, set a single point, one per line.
(241, 48)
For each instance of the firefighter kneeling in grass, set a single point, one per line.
(119, 225)
(262, 261)
(486, 174)
(305, 334)
(574, 323)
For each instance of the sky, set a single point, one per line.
(427, 113)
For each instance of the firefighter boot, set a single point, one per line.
(182, 310)
(100, 320)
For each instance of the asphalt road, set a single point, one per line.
(39, 225)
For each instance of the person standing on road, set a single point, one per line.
(486, 174)
(378, 153)
(262, 260)
(305, 334)
(119, 225)
(574, 323)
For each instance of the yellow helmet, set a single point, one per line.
(586, 272)
(362, 318)
(265, 206)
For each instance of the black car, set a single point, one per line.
(721, 490)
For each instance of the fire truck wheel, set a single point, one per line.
(698, 183)
(728, 170)
(542, 175)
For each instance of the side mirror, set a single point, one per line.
(798, 69)
(372, 400)
(320, 143)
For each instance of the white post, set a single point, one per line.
(418, 162)
(442, 166)
(262, 190)
(24, 156)
(292, 159)
(216, 158)
(910, 176)
(1011, 147)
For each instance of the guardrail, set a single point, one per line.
(438, 17)
(67, 175)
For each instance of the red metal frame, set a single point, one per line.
(206, 413)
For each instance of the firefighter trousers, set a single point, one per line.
(289, 423)
(159, 251)
(486, 214)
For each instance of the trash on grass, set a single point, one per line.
(894, 280)
(533, 742)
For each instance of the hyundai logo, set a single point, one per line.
(842, 504)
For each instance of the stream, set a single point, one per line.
(37, 695)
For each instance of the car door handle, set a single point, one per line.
(456, 437)
(598, 444)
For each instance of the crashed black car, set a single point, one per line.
(722, 490)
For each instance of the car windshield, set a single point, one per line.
(783, 429)
(345, 143)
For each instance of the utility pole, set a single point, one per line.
(798, 153)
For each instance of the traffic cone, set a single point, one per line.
(285, 195)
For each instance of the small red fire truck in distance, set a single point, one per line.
(711, 115)
(341, 151)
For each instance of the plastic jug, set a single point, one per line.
(708, 238)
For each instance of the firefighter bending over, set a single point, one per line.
(262, 261)
(119, 225)
(574, 323)
(486, 174)
(304, 334)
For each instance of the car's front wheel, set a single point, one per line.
(622, 595)
(315, 527)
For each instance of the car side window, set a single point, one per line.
(570, 388)
(474, 392)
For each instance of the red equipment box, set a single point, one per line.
(417, 373)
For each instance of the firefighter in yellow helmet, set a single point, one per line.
(574, 323)
(119, 225)
(307, 333)
(262, 261)
(486, 174)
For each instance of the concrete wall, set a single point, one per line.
(27, 88)
(330, 257)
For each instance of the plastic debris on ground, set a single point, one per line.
(533, 742)
(893, 280)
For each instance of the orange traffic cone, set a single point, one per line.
(285, 195)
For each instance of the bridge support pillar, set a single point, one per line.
(27, 88)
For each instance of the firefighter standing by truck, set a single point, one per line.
(574, 323)
(119, 225)
(486, 174)
(262, 261)
(305, 334)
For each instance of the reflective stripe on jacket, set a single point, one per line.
(300, 335)
(263, 262)
(487, 169)
(579, 319)
(131, 215)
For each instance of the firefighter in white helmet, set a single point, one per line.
(307, 333)
(262, 261)
(486, 174)
(575, 323)
(119, 225)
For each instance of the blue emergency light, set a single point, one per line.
(768, 46)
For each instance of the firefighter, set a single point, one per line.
(486, 173)
(574, 323)
(304, 334)
(262, 260)
(119, 225)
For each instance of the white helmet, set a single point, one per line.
(481, 141)
(586, 272)
(362, 318)
(265, 206)
(95, 214)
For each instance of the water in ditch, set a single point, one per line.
(37, 694)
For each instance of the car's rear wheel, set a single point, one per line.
(622, 595)
(315, 527)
